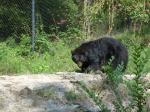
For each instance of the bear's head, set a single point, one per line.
(78, 58)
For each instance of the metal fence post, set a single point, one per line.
(33, 25)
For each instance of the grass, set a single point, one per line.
(49, 57)
(71, 95)
(17, 60)
(130, 40)
(37, 63)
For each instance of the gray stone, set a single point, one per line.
(61, 92)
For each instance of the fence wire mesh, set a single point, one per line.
(15, 17)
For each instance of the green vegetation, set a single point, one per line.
(92, 95)
(61, 25)
(50, 57)
(71, 95)
(135, 88)
(45, 93)
(131, 41)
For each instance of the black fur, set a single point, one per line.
(92, 55)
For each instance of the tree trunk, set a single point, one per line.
(87, 22)
(111, 16)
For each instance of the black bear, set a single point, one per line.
(92, 55)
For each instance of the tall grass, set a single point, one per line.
(51, 55)
(48, 57)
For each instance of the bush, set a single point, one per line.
(48, 56)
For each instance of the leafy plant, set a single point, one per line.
(114, 78)
(95, 98)
(136, 87)
(71, 95)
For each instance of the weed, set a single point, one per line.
(71, 95)
(95, 98)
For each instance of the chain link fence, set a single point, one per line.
(15, 17)
(19, 17)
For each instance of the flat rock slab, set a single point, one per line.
(47, 93)
(61, 92)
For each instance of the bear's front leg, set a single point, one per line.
(92, 68)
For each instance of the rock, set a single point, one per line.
(62, 92)
(46, 93)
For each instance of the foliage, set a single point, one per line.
(92, 95)
(14, 17)
(62, 25)
(46, 93)
(136, 87)
(114, 78)
(17, 21)
(130, 40)
(48, 57)
(58, 13)
(136, 10)
(94, 16)
(71, 95)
